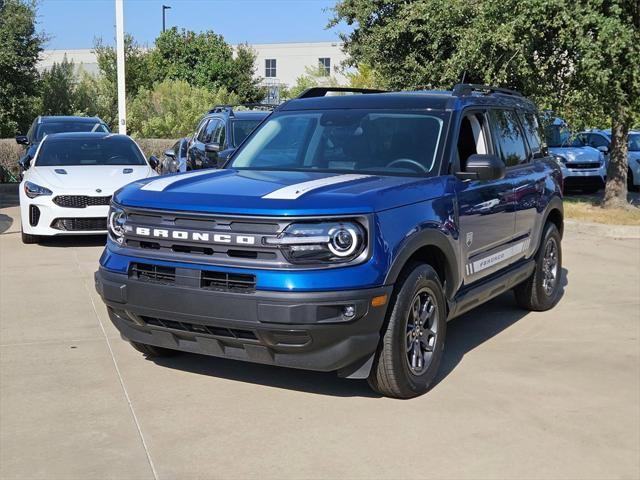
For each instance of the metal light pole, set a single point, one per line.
(122, 104)
(164, 8)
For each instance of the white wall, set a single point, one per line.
(291, 59)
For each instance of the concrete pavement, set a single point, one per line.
(520, 395)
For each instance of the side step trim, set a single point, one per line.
(485, 291)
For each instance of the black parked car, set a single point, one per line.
(45, 125)
(219, 133)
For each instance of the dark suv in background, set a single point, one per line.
(45, 125)
(220, 132)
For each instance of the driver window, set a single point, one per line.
(471, 138)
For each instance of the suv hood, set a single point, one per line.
(577, 154)
(252, 192)
(88, 178)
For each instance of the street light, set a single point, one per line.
(164, 8)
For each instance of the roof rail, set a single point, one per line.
(463, 89)
(322, 91)
(220, 108)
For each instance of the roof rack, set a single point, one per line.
(229, 108)
(464, 89)
(220, 108)
(322, 91)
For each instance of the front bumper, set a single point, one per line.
(300, 330)
(49, 212)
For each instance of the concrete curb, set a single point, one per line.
(603, 230)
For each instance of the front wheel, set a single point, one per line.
(28, 238)
(411, 346)
(541, 291)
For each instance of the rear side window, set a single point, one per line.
(510, 137)
(532, 132)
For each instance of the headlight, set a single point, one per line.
(560, 160)
(117, 219)
(327, 242)
(32, 190)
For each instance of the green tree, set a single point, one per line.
(172, 108)
(578, 58)
(20, 46)
(313, 77)
(205, 60)
(58, 89)
(137, 73)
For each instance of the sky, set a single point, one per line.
(72, 24)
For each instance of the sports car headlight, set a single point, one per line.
(117, 219)
(32, 190)
(326, 242)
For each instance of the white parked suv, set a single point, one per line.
(601, 139)
(67, 187)
(583, 167)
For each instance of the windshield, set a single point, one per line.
(68, 126)
(561, 136)
(242, 129)
(345, 141)
(634, 142)
(112, 150)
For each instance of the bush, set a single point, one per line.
(10, 153)
(154, 146)
(172, 109)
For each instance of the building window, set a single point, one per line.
(324, 65)
(270, 68)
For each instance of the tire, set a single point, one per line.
(396, 371)
(152, 351)
(540, 292)
(29, 239)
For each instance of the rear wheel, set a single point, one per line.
(152, 350)
(28, 238)
(411, 347)
(541, 291)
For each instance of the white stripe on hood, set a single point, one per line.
(295, 191)
(165, 181)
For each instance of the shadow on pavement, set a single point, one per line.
(5, 222)
(463, 335)
(9, 195)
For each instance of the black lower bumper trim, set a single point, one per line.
(300, 330)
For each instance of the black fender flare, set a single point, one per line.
(554, 204)
(424, 238)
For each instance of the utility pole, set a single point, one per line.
(122, 104)
(164, 8)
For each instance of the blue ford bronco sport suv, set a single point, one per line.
(342, 235)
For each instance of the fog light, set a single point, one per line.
(349, 311)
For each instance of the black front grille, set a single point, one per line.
(228, 282)
(80, 201)
(234, 333)
(153, 273)
(583, 165)
(206, 279)
(34, 215)
(80, 224)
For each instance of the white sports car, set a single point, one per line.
(68, 185)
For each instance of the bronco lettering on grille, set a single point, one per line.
(195, 236)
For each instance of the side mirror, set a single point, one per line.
(22, 140)
(25, 163)
(483, 167)
(169, 153)
(153, 162)
(604, 149)
(212, 147)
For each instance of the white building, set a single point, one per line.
(276, 63)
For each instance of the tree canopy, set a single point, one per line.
(20, 46)
(578, 58)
